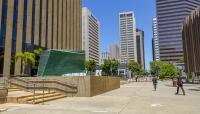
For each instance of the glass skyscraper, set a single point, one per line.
(171, 14)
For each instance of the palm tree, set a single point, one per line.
(27, 58)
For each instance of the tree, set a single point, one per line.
(134, 67)
(166, 70)
(106, 67)
(26, 58)
(142, 72)
(90, 66)
(114, 66)
(37, 53)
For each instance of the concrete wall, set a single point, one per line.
(103, 84)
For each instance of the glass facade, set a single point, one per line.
(171, 14)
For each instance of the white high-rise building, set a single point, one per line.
(128, 50)
(155, 40)
(104, 56)
(90, 35)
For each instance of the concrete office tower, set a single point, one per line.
(90, 35)
(104, 56)
(114, 52)
(140, 47)
(128, 50)
(155, 41)
(29, 24)
(170, 14)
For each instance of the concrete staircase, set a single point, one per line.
(22, 90)
(13, 89)
(37, 98)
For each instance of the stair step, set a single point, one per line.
(13, 89)
(37, 94)
(40, 96)
(48, 99)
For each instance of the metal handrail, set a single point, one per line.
(28, 84)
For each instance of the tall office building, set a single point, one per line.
(90, 35)
(104, 56)
(114, 52)
(170, 14)
(140, 47)
(155, 41)
(29, 24)
(128, 50)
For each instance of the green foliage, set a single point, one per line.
(106, 67)
(142, 72)
(114, 64)
(37, 52)
(166, 70)
(110, 67)
(135, 68)
(26, 58)
(90, 65)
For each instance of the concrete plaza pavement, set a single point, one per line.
(132, 98)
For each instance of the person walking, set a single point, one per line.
(136, 78)
(180, 85)
(155, 82)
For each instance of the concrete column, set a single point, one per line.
(60, 24)
(29, 21)
(68, 24)
(44, 16)
(19, 35)
(37, 22)
(64, 24)
(50, 11)
(79, 24)
(55, 23)
(71, 38)
(75, 19)
(8, 40)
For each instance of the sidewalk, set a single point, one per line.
(132, 98)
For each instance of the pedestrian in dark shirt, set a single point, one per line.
(180, 85)
(136, 78)
(155, 82)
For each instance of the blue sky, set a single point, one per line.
(107, 13)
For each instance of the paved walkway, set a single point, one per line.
(132, 98)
